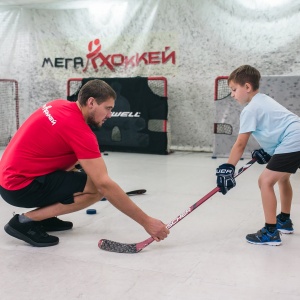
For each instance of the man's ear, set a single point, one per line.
(90, 101)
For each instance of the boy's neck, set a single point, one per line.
(252, 94)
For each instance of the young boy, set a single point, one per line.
(277, 130)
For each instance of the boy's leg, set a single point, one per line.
(266, 182)
(284, 223)
(269, 234)
(279, 169)
(286, 193)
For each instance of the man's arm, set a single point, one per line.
(97, 171)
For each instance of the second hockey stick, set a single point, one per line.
(112, 246)
(131, 193)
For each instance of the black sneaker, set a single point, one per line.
(31, 232)
(264, 237)
(284, 226)
(55, 224)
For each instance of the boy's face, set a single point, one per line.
(242, 94)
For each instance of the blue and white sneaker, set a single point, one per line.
(264, 237)
(284, 226)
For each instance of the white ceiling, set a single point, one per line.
(25, 2)
(46, 3)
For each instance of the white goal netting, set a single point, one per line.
(9, 110)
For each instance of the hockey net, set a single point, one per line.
(222, 92)
(226, 126)
(158, 85)
(9, 110)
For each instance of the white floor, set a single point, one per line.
(205, 256)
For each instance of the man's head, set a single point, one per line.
(96, 100)
(97, 89)
(245, 74)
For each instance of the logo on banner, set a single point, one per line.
(96, 59)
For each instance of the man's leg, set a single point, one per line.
(84, 199)
(32, 231)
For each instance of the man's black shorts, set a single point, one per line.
(286, 162)
(58, 186)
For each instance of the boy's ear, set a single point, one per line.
(248, 86)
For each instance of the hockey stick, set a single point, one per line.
(112, 246)
(131, 193)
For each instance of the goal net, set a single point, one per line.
(9, 110)
(139, 120)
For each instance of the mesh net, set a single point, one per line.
(222, 90)
(156, 84)
(9, 110)
(222, 128)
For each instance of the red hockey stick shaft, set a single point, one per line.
(134, 248)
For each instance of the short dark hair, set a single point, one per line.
(244, 74)
(97, 89)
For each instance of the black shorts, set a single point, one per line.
(55, 187)
(286, 162)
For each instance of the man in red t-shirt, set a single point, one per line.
(36, 168)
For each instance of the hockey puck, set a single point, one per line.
(91, 211)
(105, 153)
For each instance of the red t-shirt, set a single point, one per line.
(53, 138)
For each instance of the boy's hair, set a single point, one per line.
(97, 89)
(244, 74)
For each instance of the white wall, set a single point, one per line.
(209, 37)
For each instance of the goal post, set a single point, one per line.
(9, 110)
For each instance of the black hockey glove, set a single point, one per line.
(225, 177)
(261, 156)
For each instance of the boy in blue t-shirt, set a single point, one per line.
(277, 130)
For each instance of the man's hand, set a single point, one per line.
(261, 156)
(225, 177)
(156, 228)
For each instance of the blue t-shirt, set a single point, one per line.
(275, 128)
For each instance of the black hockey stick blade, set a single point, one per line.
(131, 193)
(136, 192)
(112, 246)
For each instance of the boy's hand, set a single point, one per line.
(225, 177)
(261, 156)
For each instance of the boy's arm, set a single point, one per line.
(238, 148)
(225, 172)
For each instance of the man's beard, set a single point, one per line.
(91, 121)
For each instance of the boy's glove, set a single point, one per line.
(225, 177)
(261, 156)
